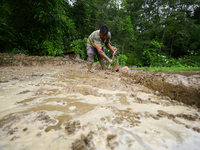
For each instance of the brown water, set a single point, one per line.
(64, 108)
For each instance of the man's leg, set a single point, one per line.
(90, 52)
(102, 60)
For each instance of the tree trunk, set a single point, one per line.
(123, 49)
(143, 48)
(171, 46)
(162, 40)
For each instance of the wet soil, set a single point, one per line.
(177, 87)
(54, 103)
(185, 73)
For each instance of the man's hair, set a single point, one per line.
(104, 29)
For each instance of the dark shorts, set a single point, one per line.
(91, 51)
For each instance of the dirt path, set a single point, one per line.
(53, 106)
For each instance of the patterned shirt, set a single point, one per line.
(95, 39)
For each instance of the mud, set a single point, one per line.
(177, 87)
(59, 105)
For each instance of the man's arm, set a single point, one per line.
(110, 47)
(99, 49)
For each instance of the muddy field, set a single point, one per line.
(54, 103)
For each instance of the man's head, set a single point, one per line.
(104, 31)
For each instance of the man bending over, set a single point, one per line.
(95, 45)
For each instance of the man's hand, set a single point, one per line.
(115, 50)
(110, 47)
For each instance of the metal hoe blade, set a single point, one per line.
(115, 67)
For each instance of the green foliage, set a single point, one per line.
(19, 51)
(196, 16)
(49, 48)
(154, 59)
(79, 47)
(132, 58)
(108, 52)
(38, 26)
(124, 34)
(185, 61)
(122, 60)
(168, 69)
(147, 32)
(150, 55)
(41, 59)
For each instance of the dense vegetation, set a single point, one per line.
(161, 33)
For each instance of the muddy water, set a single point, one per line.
(63, 108)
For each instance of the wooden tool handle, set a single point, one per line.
(112, 57)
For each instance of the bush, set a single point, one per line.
(150, 55)
(19, 51)
(153, 59)
(51, 48)
(122, 60)
(79, 47)
(185, 61)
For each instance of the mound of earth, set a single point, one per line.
(181, 88)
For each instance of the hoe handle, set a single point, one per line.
(112, 58)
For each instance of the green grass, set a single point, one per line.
(41, 59)
(168, 69)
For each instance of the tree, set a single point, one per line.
(37, 25)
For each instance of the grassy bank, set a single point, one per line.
(168, 69)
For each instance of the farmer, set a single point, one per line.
(95, 45)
